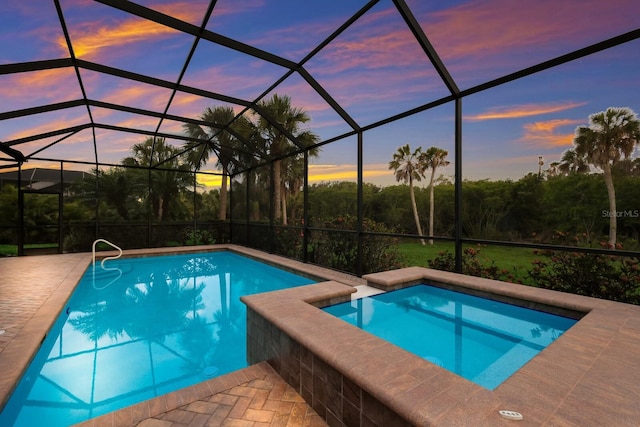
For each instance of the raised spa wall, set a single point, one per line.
(352, 378)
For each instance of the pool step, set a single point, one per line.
(506, 365)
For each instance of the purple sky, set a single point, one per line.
(373, 70)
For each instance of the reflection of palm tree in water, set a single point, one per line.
(148, 306)
(165, 308)
(541, 330)
(102, 314)
(152, 307)
(215, 344)
(198, 341)
(230, 332)
(161, 305)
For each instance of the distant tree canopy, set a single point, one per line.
(571, 196)
(528, 209)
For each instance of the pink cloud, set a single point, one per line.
(503, 28)
(139, 94)
(232, 7)
(93, 37)
(113, 146)
(89, 39)
(23, 90)
(545, 134)
(189, 11)
(138, 122)
(523, 110)
(41, 123)
(232, 79)
(378, 40)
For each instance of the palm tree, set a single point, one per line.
(553, 169)
(166, 184)
(627, 167)
(214, 139)
(572, 162)
(116, 189)
(432, 159)
(278, 109)
(612, 135)
(292, 181)
(292, 170)
(408, 168)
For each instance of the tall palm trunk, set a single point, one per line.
(277, 190)
(431, 205)
(611, 193)
(222, 215)
(415, 209)
(283, 197)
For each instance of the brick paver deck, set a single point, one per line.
(267, 401)
(259, 398)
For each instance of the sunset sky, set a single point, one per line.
(374, 70)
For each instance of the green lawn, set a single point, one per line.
(517, 260)
(8, 250)
(12, 250)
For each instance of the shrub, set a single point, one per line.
(77, 239)
(287, 241)
(198, 237)
(338, 249)
(593, 275)
(473, 264)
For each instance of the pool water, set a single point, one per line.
(142, 328)
(482, 340)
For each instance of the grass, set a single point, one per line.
(8, 250)
(517, 260)
(12, 250)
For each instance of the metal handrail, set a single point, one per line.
(93, 249)
(103, 261)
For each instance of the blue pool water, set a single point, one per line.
(479, 339)
(146, 327)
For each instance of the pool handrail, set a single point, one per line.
(103, 261)
(93, 249)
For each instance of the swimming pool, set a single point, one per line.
(150, 326)
(482, 340)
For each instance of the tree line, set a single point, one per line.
(606, 145)
(567, 197)
(530, 209)
(167, 191)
